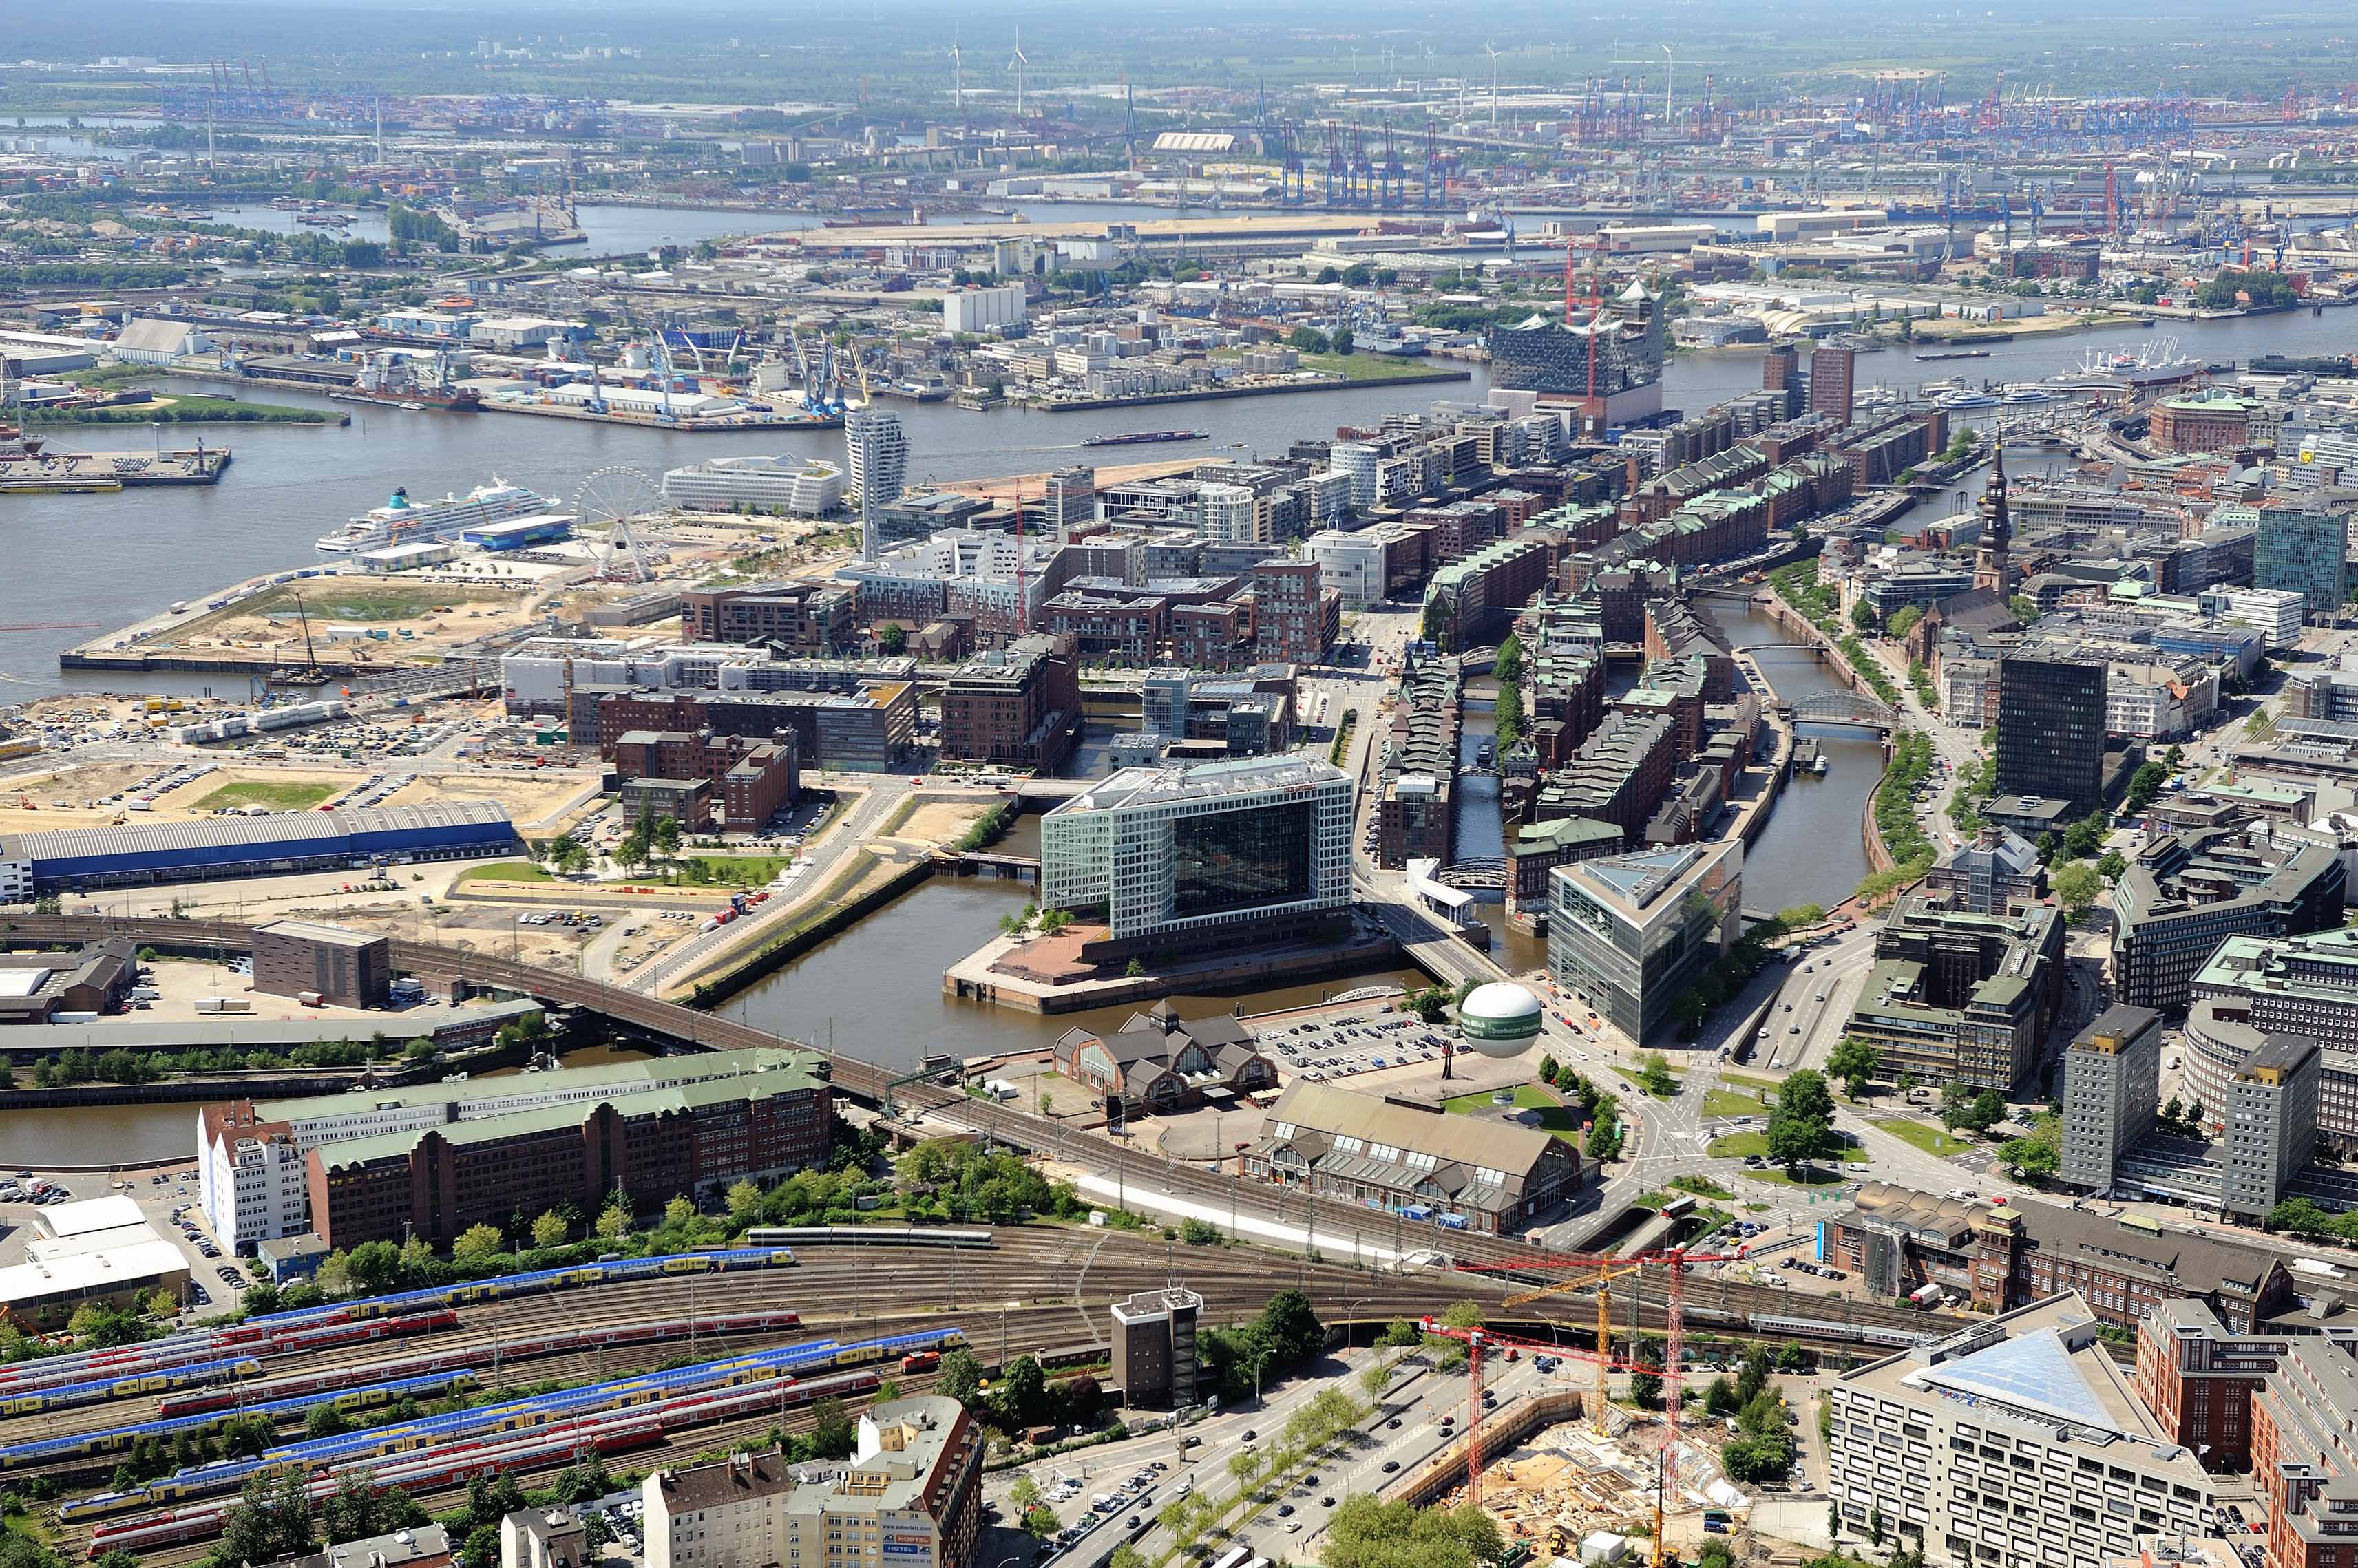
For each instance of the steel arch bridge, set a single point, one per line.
(1846, 707)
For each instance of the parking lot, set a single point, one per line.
(1321, 1049)
(167, 1200)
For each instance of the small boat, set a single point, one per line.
(415, 407)
(1818, 767)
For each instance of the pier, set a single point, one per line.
(51, 471)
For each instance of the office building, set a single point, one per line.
(2305, 552)
(2050, 728)
(1830, 374)
(794, 487)
(910, 1496)
(1154, 1346)
(878, 459)
(1781, 372)
(1628, 933)
(1170, 857)
(2303, 1466)
(2111, 1085)
(797, 617)
(2269, 1123)
(1996, 872)
(242, 1156)
(1485, 1175)
(2017, 1443)
(1017, 707)
(2185, 893)
(347, 969)
(2277, 613)
(1959, 997)
(1070, 500)
(251, 1181)
(2199, 1378)
(1996, 1258)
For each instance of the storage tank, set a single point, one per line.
(1500, 1018)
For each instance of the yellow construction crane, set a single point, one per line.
(1599, 1282)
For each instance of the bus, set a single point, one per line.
(1234, 1557)
(1679, 1206)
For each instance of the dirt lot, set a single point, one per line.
(940, 822)
(530, 800)
(271, 788)
(341, 610)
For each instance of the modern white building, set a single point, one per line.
(910, 1496)
(1353, 565)
(2016, 1442)
(1161, 852)
(800, 487)
(2275, 612)
(983, 310)
(2150, 700)
(877, 452)
(1356, 463)
(1231, 514)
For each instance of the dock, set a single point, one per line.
(52, 471)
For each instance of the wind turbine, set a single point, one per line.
(1492, 49)
(1017, 64)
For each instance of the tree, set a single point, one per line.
(549, 1230)
(959, 1376)
(1367, 1531)
(2037, 1161)
(1862, 616)
(2144, 784)
(1342, 340)
(2077, 887)
(1719, 1399)
(679, 1213)
(476, 1243)
(163, 1303)
(2026, 610)
(1084, 1400)
(324, 1419)
(745, 1204)
(272, 1519)
(1854, 1062)
(2085, 837)
(1309, 340)
(1654, 1077)
(893, 639)
(2112, 866)
(1903, 621)
(2301, 1216)
(1803, 1121)
(834, 1434)
(1509, 668)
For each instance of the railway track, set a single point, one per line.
(863, 1080)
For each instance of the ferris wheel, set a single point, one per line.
(611, 497)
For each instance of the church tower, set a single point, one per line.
(1989, 560)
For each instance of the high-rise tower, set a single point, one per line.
(879, 464)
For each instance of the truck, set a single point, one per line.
(1927, 1295)
(310, 999)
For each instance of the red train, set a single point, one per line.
(200, 1401)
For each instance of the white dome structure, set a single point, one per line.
(1500, 1019)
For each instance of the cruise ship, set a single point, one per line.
(401, 520)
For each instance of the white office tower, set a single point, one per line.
(879, 454)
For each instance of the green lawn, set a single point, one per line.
(1746, 1081)
(1809, 1176)
(1562, 1120)
(1370, 367)
(1700, 1186)
(507, 871)
(1726, 1102)
(1927, 1137)
(1737, 1145)
(1677, 1078)
(262, 791)
(732, 871)
(333, 601)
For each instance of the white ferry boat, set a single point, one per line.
(401, 520)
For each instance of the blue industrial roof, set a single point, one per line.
(221, 841)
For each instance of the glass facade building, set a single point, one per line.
(2301, 552)
(2050, 728)
(1628, 933)
(1154, 851)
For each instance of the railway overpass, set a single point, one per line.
(646, 1018)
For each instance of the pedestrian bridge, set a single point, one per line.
(1855, 708)
(1478, 874)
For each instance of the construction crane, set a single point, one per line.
(1600, 1284)
(1675, 1261)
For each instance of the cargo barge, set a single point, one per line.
(1142, 437)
